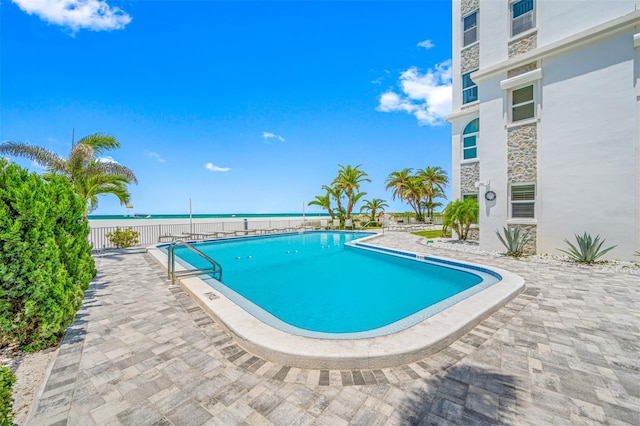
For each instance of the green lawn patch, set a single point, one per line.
(434, 233)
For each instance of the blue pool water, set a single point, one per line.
(314, 284)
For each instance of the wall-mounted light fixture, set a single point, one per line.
(478, 184)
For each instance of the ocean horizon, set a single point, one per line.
(203, 216)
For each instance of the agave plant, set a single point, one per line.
(514, 240)
(588, 250)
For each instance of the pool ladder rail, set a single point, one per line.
(215, 270)
(362, 227)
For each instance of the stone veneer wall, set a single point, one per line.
(469, 175)
(523, 69)
(522, 165)
(468, 6)
(522, 153)
(523, 45)
(470, 58)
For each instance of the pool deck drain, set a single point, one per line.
(140, 352)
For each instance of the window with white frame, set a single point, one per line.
(470, 195)
(469, 88)
(523, 201)
(522, 16)
(470, 140)
(470, 28)
(523, 103)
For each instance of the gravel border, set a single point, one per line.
(609, 265)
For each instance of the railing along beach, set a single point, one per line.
(151, 234)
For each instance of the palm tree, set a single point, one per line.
(374, 206)
(459, 215)
(94, 182)
(323, 201)
(430, 206)
(89, 176)
(434, 180)
(349, 180)
(407, 188)
(335, 193)
(413, 194)
(398, 181)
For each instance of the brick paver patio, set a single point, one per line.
(567, 351)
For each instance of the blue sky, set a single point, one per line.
(244, 107)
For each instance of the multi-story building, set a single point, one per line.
(546, 119)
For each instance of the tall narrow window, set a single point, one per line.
(470, 29)
(469, 89)
(523, 198)
(470, 140)
(522, 104)
(522, 16)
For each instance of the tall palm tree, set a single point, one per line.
(89, 176)
(434, 179)
(413, 194)
(348, 180)
(374, 206)
(323, 201)
(336, 193)
(407, 188)
(399, 181)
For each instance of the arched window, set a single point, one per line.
(470, 140)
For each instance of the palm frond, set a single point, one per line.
(100, 142)
(48, 159)
(96, 167)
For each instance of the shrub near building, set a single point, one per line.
(45, 258)
(7, 379)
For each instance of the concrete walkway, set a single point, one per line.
(140, 352)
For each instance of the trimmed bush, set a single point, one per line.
(123, 238)
(45, 258)
(7, 379)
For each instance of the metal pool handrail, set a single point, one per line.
(367, 224)
(215, 269)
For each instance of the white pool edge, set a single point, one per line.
(406, 346)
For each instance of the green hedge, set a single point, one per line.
(7, 379)
(45, 258)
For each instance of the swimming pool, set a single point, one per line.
(401, 344)
(321, 284)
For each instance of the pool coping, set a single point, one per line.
(412, 344)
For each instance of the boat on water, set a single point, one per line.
(138, 215)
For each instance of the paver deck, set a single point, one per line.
(566, 351)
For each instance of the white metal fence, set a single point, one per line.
(150, 234)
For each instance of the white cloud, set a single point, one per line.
(107, 159)
(427, 44)
(268, 135)
(213, 168)
(155, 156)
(95, 15)
(426, 96)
